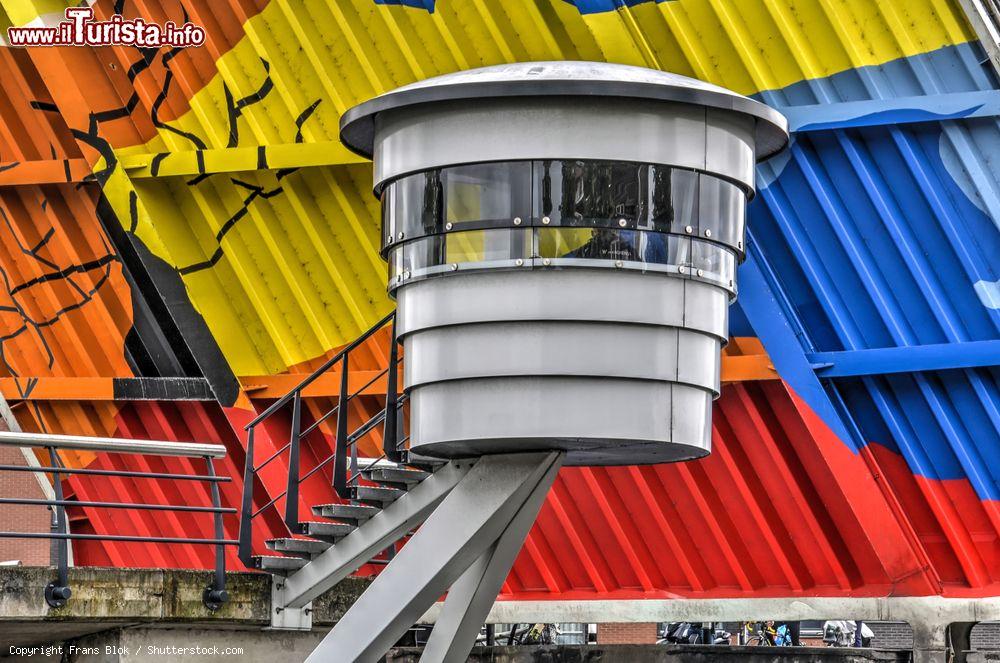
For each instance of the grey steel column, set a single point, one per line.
(460, 530)
(471, 597)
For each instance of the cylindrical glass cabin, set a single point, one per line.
(562, 241)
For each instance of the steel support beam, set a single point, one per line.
(374, 536)
(471, 597)
(901, 110)
(908, 359)
(468, 523)
(8, 422)
(237, 159)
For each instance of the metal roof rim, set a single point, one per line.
(357, 125)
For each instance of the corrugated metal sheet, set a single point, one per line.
(884, 237)
(780, 508)
(878, 231)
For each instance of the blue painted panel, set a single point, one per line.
(889, 236)
(598, 6)
(417, 4)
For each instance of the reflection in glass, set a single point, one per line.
(613, 248)
(584, 193)
(606, 195)
(487, 192)
(721, 210)
(589, 244)
(684, 194)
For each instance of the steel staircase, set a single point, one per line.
(464, 520)
(337, 520)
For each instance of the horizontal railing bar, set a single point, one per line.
(363, 462)
(320, 420)
(317, 468)
(384, 371)
(112, 445)
(116, 537)
(116, 505)
(284, 400)
(271, 503)
(114, 473)
(272, 457)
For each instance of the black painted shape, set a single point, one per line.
(161, 389)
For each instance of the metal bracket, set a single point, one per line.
(284, 618)
(57, 594)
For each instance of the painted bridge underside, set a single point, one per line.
(183, 237)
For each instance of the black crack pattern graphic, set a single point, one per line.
(19, 295)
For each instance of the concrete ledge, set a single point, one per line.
(104, 598)
(912, 609)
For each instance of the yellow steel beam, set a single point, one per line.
(237, 159)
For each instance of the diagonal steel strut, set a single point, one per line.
(468, 523)
(473, 594)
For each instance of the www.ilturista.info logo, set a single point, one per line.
(80, 29)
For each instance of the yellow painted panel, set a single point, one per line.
(22, 12)
(299, 272)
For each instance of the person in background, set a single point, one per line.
(793, 629)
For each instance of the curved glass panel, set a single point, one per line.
(541, 247)
(490, 193)
(721, 211)
(564, 193)
(588, 193)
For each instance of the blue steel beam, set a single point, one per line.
(906, 359)
(900, 110)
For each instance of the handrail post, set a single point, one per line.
(390, 435)
(340, 444)
(292, 492)
(246, 508)
(58, 592)
(354, 463)
(215, 594)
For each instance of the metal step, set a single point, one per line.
(351, 513)
(376, 496)
(329, 532)
(305, 548)
(394, 476)
(423, 462)
(278, 564)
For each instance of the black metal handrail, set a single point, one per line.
(345, 440)
(58, 592)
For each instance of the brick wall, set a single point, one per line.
(899, 635)
(986, 635)
(18, 518)
(891, 635)
(628, 633)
